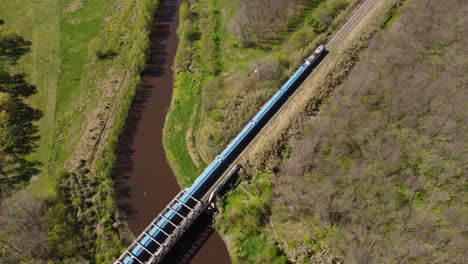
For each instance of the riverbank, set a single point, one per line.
(144, 182)
(87, 189)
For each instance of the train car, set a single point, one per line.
(203, 181)
(303, 69)
(229, 153)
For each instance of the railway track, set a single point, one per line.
(355, 18)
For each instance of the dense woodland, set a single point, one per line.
(379, 175)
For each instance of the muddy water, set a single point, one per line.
(144, 181)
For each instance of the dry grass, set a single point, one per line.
(191, 147)
(75, 5)
(99, 122)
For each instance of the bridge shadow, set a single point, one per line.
(200, 233)
(192, 241)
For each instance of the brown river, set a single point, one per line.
(144, 181)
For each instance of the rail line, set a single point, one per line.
(352, 21)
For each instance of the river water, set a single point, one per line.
(144, 181)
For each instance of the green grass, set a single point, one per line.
(66, 67)
(57, 65)
(185, 99)
(187, 108)
(245, 221)
(34, 20)
(78, 29)
(397, 14)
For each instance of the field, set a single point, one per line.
(56, 65)
(32, 20)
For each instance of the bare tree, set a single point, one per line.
(22, 234)
(259, 21)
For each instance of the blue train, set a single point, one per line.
(149, 241)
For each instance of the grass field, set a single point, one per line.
(39, 22)
(55, 65)
(187, 100)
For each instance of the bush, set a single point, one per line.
(106, 54)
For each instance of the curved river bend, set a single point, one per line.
(144, 181)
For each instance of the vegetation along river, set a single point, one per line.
(145, 183)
